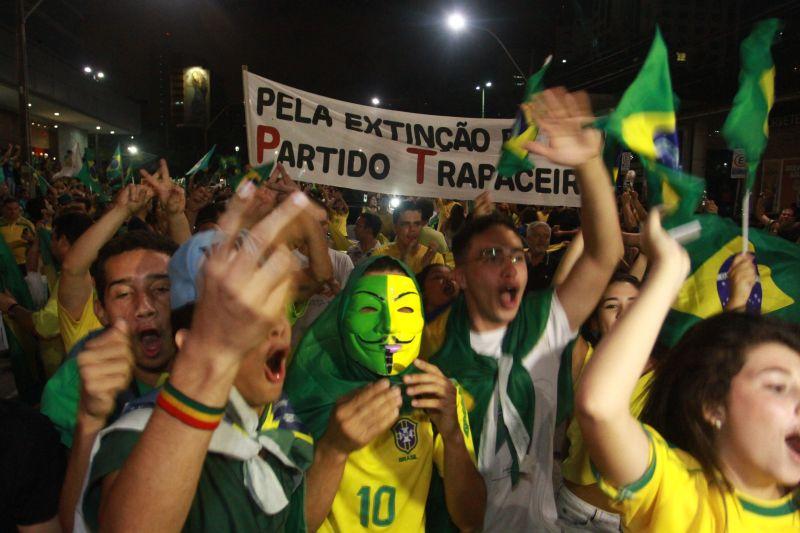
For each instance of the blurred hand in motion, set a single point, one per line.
(742, 275)
(564, 118)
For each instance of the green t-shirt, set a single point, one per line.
(63, 391)
(221, 502)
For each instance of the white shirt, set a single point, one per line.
(342, 267)
(530, 505)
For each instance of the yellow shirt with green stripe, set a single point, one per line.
(385, 484)
(15, 235)
(675, 495)
(576, 467)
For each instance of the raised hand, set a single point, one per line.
(742, 275)
(245, 285)
(563, 117)
(436, 394)
(483, 204)
(199, 197)
(664, 252)
(106, 369)
(280, 182)
(361, 416)
(430, 254)
(133, 198)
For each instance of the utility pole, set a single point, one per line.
(22, 79)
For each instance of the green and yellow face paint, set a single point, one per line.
(383, 323)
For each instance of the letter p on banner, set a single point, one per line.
(267, 138)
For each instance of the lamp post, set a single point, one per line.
(482, 89)
(458, 22)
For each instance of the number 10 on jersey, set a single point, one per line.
(382, 504)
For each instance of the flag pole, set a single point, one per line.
(746, 221)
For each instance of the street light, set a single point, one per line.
(236, 148)
(376, 100)
(101, 75)
(458, 22)
(87, 70)
(133, 149)
(486, 85)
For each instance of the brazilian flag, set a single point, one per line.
(257, 175)
(514, 156)
(644, 119)
(747, 125)
(203, 163)
(679, 193)
(114, 170)
(707, 289)
(84, 175)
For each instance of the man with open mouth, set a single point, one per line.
(503, 346)
(376, 446)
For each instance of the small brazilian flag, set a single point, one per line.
(644, 120)
(114, 170)
(747, 125)
(514, 156)
(679, 193)
(707, 289)
(203, 163)
(84, 175)
(258, 175)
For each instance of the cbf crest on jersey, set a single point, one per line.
(405, 435)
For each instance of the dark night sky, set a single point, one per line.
(356, 49)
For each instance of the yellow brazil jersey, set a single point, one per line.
(74, 330)
(675, 495)
(385, 484)
(17, 236)
(576, 466)
(416, 261)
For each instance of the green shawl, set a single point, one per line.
(320, 371)
(478, 374)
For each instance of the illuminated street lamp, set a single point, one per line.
(376, 100)
(133, 149)
(458, 22)
(486, 85)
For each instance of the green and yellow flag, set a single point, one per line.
(514, 156)
(644, 119)
(747, 125)
(679, 193)
(114, 170)
(707, 289)
(203, 163)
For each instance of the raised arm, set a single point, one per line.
(172, 199)
(571, 256)
(239, 293)
(616, 441)
(75, 285)
(563, 117)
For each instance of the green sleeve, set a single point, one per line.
(60, 399)
(114, 449)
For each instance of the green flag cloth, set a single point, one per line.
(2, 174)
(707, 289)
(513, 156)
(644, 119)
(24, 363)
(259, 174)
(678, 192)
(128, 176)
(203, 163)
(114, 170)
(747, 125)
(478, 374)
(84, 176)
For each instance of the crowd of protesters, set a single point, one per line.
(271, 358)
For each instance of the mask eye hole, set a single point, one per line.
(405, 310)
(367, 309)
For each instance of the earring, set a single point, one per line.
(717, 424)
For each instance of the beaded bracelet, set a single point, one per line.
(190, 412)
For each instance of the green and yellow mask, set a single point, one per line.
(383, 323)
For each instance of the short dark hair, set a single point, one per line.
(9, 200)
(425, 207)
(406, 205)
(71, 225)
(372, 222)
(209, 213)
(35, 209)
(386, 264)
(696, 375)
(127, 242)
(474, 227)
(425, 272)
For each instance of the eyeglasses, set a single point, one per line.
(497, 255)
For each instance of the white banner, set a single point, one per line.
(337, 143)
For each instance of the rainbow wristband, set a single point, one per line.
(190, 412)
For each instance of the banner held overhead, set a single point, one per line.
(338, 143)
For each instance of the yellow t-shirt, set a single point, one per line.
(675, 495)
(71, 330)
(415, 262)
(576, 466)
(338, 221)
(385, 484)
(12, 233)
